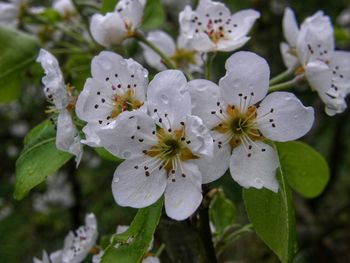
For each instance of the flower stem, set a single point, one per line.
(286, 85)
(284, 75)
(166, 60)
(209, 65)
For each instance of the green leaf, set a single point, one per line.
(107, 155)
(272, 216)
(305, 169)
(17, 52)
(108, 6)
(39, 159)
(133, 243)
(154, 15)
(221, 212)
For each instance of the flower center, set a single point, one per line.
(170, 149)
(183, 57)
(239, 126)
(124, 102)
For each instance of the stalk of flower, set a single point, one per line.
(113, 27)
(67, 137)
(242, 120)
(117, 85)
(77, 244)
(310, 50)
(211, 27)
(160, 149)
(181, 53)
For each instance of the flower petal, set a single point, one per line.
(94, 102)
(198, 137)
(183, 195)
(290, 59)
(133, 187)
(112, 69)
(341, 71)
(129, 135)
(54, 89)
(242, 22)
(290, 27)
(91, 137)
(67, 137)
(162, 41)
(8, 14)
(246, 80)
(315, 40)
(319, 76)
(214, 168)
(282, 117)
(206, 98)
(168, 99)
(108, 29)
(255, 167)
(131, 11)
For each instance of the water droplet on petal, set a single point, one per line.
(126, 154)
(164, 98)
(116, 179)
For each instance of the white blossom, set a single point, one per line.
(184, 56)
(117, 85)
(310, 50)
(241, 118)
(113, 27)
(212, 27)
(65, 8)
(77, 244)
(58, 192)
(67, 137)
(160, 149)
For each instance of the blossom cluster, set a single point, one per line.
(176, 134)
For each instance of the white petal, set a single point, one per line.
(54, 89)
(168, 98)
(289, 120)
(201, 142)
(229, 44)
(151, 260)
(131, 11)
(315, 40)
(205, 97)
(258, 170)
(246, 80)
(91, 137)
(184, 195)
(289, 58)
(202, 43)
(121, 229)
(67, 137)
(214, 168)
(111, 68)
(164, 42)
(56, 257)
(242, 22)
(129, 135)
(290, 27)
(319, 76)
(108, 30)
(94, 102)
(8, 14)
(64, 7)
(212, 7)
(340, 66)
(131, 187)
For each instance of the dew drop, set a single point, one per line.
(116, 179)
(164, 98)
(126, 154)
